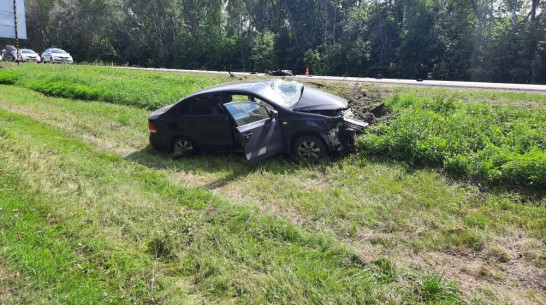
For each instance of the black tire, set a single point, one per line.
(309, 148)
(182, 147)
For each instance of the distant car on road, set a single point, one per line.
(10, 53)
(55, 55)
(259, 118)
(281, 73)
(29, 55)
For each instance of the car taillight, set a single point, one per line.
(151, 127)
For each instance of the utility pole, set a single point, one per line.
(16, 31)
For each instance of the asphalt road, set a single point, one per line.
(386, 81)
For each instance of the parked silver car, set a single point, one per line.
(28, 55)
(55, 55)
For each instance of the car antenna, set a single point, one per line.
(230, 73)
(200, 84)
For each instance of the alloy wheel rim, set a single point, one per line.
(182, 147)
(308, 150)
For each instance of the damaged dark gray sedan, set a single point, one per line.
(260, 118)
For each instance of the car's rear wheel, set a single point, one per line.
(309, 147)
(183, 147)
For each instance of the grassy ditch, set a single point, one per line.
(490, 241)
(501, 145)
(85, 226)
(416, 218)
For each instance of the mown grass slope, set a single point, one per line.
(405, 224)
(102, 229)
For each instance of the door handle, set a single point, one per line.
(247, 135)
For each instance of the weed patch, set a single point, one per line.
(498, 145)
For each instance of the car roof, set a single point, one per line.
(252, 87)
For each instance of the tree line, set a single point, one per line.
(478, 40)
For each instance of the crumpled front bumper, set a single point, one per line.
(350, 127)
(343, 135)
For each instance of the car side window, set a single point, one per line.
(247, 112)
(183, 108)
(210, 104)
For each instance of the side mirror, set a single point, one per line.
(274, 113)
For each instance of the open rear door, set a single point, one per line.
(258, 130)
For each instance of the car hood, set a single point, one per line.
(314, 99)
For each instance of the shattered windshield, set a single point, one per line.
(285, 93)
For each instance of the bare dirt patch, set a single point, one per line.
(6, 284)
(363, 99)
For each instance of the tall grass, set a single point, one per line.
(144, 89)
(499, 145)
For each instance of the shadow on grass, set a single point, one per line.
(228, 167)
(225, 168)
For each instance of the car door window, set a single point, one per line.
(247, 112)
(183, 108)
(210, 104)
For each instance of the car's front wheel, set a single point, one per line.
(183, 147)
(309, 147)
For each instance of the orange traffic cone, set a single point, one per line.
(307, 71)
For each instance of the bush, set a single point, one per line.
(499, 145)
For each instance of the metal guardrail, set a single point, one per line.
(382, 81)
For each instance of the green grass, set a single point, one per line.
(406, 224)
(500, 145)
(145, 89)
(116, 231)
